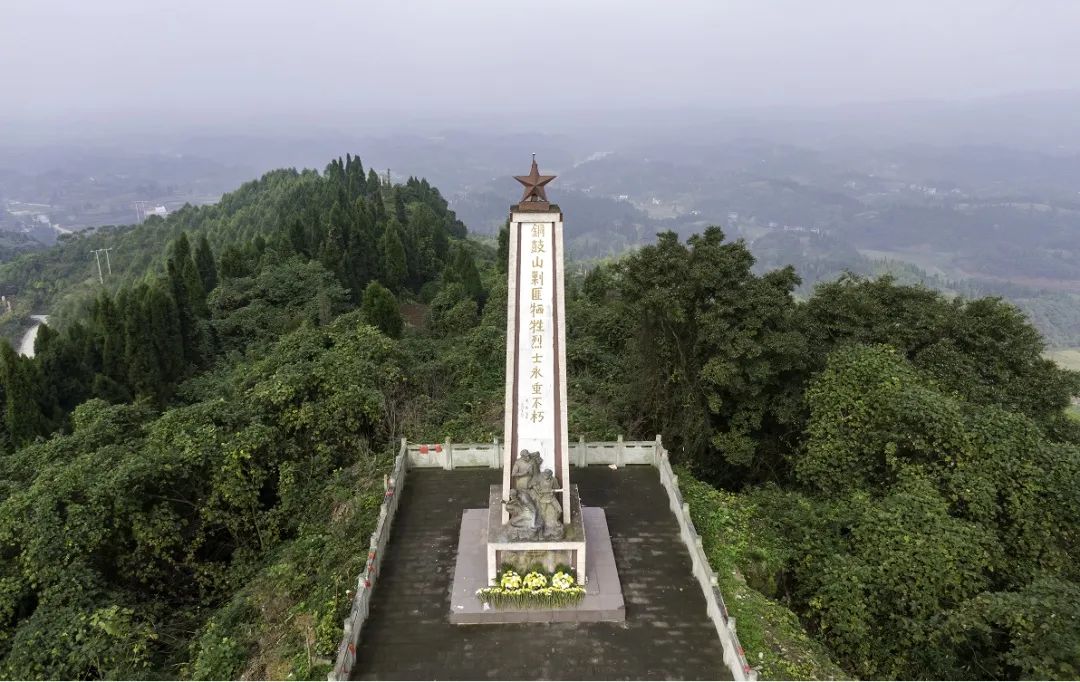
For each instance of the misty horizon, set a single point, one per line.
(245, 66)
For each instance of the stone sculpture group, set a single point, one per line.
(534, 508)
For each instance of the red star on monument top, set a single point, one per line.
(534, 184)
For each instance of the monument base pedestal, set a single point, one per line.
(603, 601)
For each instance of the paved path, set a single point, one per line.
(667, 634)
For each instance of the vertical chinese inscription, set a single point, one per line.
(536, 365)
(536, 321)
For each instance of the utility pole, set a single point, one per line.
(97, 257)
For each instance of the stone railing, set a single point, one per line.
(365, 583)
(447, 455)
(621, 453)
(734, 656)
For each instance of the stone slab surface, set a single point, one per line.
(667, 633)
(603, 594)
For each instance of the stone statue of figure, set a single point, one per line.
(522, 516)
(547, 503)
(524, 469)
(523, 477)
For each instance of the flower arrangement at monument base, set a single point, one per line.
(534, 590)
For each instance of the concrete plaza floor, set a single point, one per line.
(667, 633)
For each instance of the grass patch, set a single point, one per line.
(747, 566)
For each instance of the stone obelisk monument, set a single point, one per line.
(535, 415)
(534, 520)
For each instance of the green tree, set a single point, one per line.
(394, 269)
(22, 391)
(109, 325)
(190, 299)
(380, 309)
(876, 591)
(461, 268)
(1033, 633)
(204, 262)
(165, 331)
(502, 256)
(985, 349)
(181, 259)
(235, 262)
(453, 311)
(715, 355)
(144, 373)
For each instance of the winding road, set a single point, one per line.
(26, 344)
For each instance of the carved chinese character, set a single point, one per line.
(535, 373)
(536, 326)
(537, 230)
(537, 246)
(537, 342)
(538, 262)
(536, 416)
(536, 309)
(538, 278)
(537, 388)
(537, 293)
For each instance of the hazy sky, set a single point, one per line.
(334, 60)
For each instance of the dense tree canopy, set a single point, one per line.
(187, 460)
(185, 428)
(910, 454)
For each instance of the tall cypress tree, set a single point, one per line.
(65, 376)
(22, 414)
(462, 268)
(334, 248)
(143, 370)
(182, 260)
(394, 266)
(399, 208)
(110, 327)
(204, 263)
(354, 172)
(298, 238)
(363, 250)
(421, 247)
(503, 257)
(165, 333)
(374, 184)
(191, 336)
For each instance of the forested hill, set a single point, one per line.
(329, 216)
(887, 480)
(221, 404)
